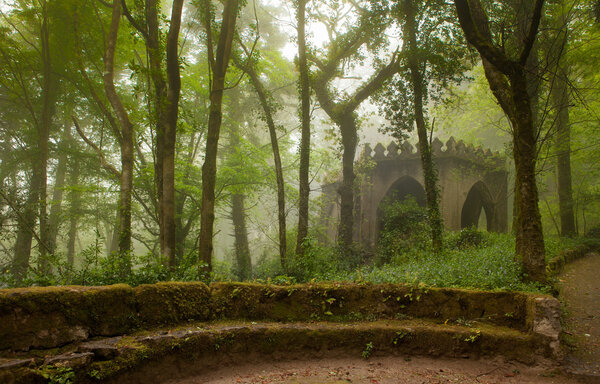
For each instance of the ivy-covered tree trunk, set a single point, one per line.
(219, 64)
(529, 235)
(304, 88)
(508, 81)
(429, 171)
(348, 129)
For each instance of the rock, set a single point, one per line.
(546, 321)
(102, 349)
(6, 364)
(71, 360)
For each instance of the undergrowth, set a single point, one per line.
(470, 259)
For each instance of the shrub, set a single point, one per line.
(466, 238)
(403, 228)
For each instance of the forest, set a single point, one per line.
(171, 140)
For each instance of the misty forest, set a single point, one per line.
(447, 143)
(192, 190)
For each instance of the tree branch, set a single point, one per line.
(533, 30)
(105, 164)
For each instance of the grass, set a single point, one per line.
(471, 259)
(488, 266)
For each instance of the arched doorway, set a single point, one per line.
(402, 189)
(478, 208)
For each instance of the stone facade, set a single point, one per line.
(471, 180)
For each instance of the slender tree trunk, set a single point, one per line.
(26, 227)
(112, 234)
(429, 171)
(48, 110)
(57, 194)
(304, 185)
(74, 212)
(166, 106)
(242, 249)
(560, 103)
(348, 129)
(219, 66)
(159, 98)
(173, 93)
(268, 112)
(126, 141)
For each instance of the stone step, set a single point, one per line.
(197, 347)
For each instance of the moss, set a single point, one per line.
(52, 316)
(172, 303)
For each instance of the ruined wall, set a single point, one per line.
(49, 317)
(470, 180)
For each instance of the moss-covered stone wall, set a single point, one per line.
(49, 317)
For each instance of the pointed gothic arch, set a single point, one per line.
(478, 201)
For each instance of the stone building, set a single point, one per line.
(473, 184)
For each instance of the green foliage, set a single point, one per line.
(404, 227)
(57, 375)
(467, 238)
(366, 353)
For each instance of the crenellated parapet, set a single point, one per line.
(452, 148)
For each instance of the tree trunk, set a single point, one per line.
(219, 66)
(74, 212)
(268, 112)
(57, 194)
(166, 105)
(304, 184)
(173, 93)
(529, 235)
(242, 249)
(155, 60)
(26, 228)
(44, 127)
(508, 81)
(348, 129)
(429, 171)
(560, 103)
(126, 142)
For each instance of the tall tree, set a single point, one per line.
(238, 207)
(342, 108)
(304, 89)
(29, 78)
(165, 96)
(266, 103)
(219, 62)
(59, 186)
(507, 76)
(433, 56)
(560, 102)
(126, 136)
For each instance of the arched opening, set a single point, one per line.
(401, 189)
(478, 209)
(404, 187)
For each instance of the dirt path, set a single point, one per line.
(580, 291)
(381, 370)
